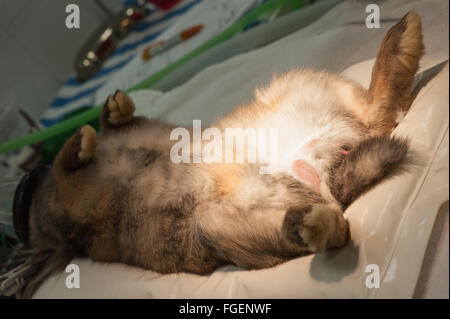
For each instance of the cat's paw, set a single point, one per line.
(310, 226)
(317, 227)
(120, 108)
(88, 143)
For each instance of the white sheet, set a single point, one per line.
(390, 225)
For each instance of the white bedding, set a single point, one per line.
(390, 225)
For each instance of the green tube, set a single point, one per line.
(89, 115)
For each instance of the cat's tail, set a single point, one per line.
(365, 165)
(393, 73)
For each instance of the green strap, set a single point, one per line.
(89, 115)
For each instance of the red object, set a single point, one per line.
(136, 15)
(186, 34)
(102, 50)
(164, 4)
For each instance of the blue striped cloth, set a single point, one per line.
(74, 95)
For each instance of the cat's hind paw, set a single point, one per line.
(310, 226)
(317, 227)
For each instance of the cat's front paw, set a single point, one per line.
(310, 226)
(120, 108)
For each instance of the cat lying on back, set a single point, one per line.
(118, 197)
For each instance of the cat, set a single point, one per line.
(118, 197)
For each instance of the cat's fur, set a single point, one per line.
(118, 197)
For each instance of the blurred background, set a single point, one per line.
(38, 51)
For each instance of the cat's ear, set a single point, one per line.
(396, 64)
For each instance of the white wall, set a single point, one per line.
(37, 51)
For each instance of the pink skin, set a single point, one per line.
(306, 149)
(305, 171)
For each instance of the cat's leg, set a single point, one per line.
(267, 237)
(365, 165)
(118, 113)
(382, 106)
(393, 74)
(247, 239)
(70, 163)
(77, 151)
(316, 227)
